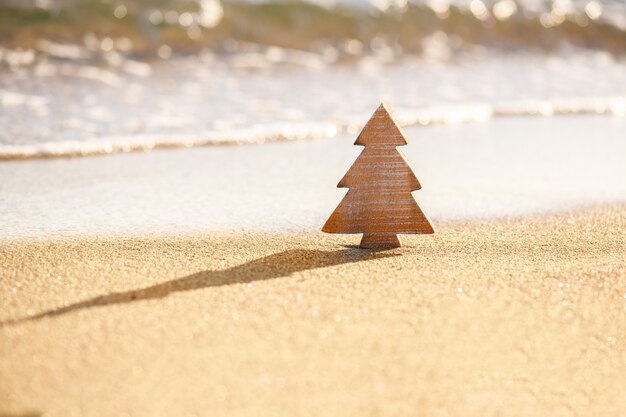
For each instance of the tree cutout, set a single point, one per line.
(379, 203)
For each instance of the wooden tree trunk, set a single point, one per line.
(380, 241)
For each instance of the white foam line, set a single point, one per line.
(452, 114)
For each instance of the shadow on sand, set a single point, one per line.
(31, 414)
(278, 265)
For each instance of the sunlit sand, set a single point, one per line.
(493, 318)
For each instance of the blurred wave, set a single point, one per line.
(59, 110)
(88, 28)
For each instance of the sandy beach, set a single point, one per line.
(166, 169)
(511, 317)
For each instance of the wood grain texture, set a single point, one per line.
(379, 202)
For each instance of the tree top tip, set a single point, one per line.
(381, 129)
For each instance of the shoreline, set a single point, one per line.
(479, 316)
(189, 235)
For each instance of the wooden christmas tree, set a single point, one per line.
(379, 203)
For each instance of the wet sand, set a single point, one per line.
(510, 317)
(473, 171)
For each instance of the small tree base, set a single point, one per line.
(380, 241)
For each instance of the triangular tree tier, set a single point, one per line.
(379, 202)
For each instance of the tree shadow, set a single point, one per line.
(277, 265)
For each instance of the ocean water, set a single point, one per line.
(81, 77)
(511, 107)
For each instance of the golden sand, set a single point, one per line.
(517, 318)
